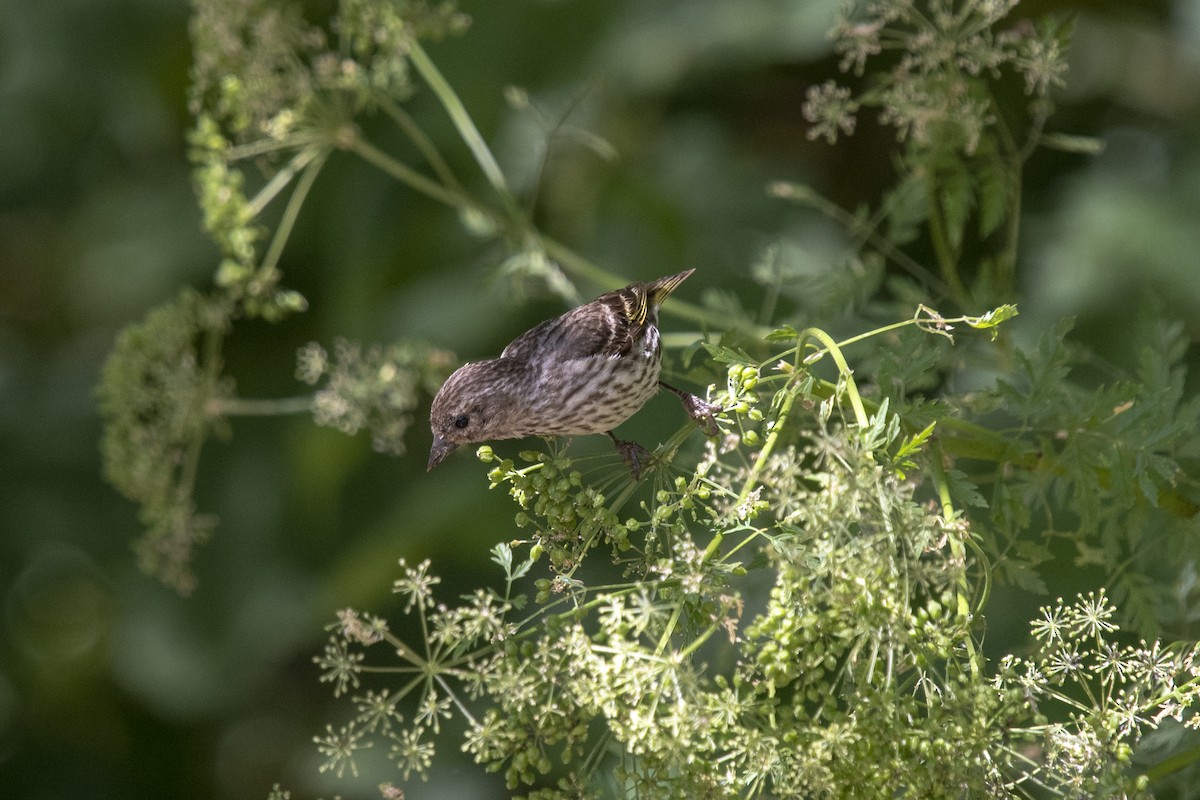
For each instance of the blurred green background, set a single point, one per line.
(112, 685)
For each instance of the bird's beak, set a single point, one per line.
(437, 454)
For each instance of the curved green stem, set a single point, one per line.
(835, 351)
(462, 121)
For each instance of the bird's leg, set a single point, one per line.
(632, 453)
(701, 411)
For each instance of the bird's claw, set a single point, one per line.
(702, 412)
(633, 454)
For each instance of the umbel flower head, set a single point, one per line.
(586, 371)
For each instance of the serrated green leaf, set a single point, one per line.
(963, 489)
(906, 207)
(785, 334)
(956, 201)
(914, 442)
(502, 555)
(994, 317)
(725, 355)
(521, 570)
(1033, 552)
(996, 186)
(1025, 577)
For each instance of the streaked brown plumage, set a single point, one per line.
(586, 371)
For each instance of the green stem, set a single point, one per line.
(581, 267)
(665, 639)
(570, 260)
(959, 551)
(863, 229)
(262, 147)
(413, 179)
(577, 264)
(292, 211)
(1173, 764)
(462, 120)
(454, 196)
(1015, 161)
(885, 329)
(279, 180)
(835, 351)
(947, 261)
(210, 358)
(699, 641)
(1007, 262)
(417, 136)
(449, 691)
(769, 446)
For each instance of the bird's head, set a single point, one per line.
(478, 403)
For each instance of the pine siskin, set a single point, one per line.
(584, 372)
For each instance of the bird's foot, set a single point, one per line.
(633, 454)
(701, 411)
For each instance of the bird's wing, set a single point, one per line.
(608, 326)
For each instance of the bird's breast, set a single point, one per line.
(595, 394)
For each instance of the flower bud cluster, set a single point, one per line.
(739, 395)
(567, 516)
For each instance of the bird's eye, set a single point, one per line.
(462, 421)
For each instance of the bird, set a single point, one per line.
(584, 372)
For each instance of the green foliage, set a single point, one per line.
(273, 91)
(1113, 693)
(1102, 467)
(160, 390)
(799, 606)
(790, 618)
(374, 389)
(938, 75)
